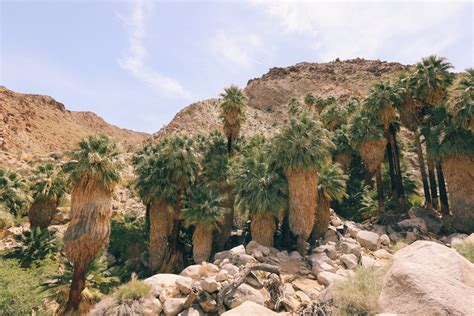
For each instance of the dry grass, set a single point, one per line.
(359, 295)
(263, 228)
(459, 174)
(133, 290)
(373, 152)
(466, 250)
(388, 116)
(345, 160)
(302, 188)
(161, 225)
(202, 244)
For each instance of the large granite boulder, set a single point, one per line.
(427, 278)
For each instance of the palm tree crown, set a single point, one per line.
(204, 206)
(48, 182)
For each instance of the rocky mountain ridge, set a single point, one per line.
(268, 96)
(35, 125)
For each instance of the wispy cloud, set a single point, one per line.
(403, 30)
(238, 49)
(133, 60)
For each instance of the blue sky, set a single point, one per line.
(137, 63)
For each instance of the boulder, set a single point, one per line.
(454, 239)
(222, 276)
(385, 240)
(230, 268)
(354, 248)
(352, 229)
(432, 221)
(228, 254)
(210, 285)
(368, 240)
(382, 254)
(469, 239)
(349, 260)
(164, 282)
(208, 269)
(191, 311)
(250, 308)
(328, 278)
(330, 251)
(184, 285)
(245, 293)
(255, 246)
(150, 306)
(192, 271)
(427, 278)
(307, 286)
(173, 306)
(411, 223)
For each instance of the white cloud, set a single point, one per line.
(236, 48)
(133, 60)
(403, 30)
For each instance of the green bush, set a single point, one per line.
(466, 250)
(17, 290)
(35, 245)
(133, 290)
(359, 295)
(6, 220)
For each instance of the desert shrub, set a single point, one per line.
(99, 281)
(6, 220)
(133, 290)
(17, 290)
(359, 295)
(35, 245)
(466, 250)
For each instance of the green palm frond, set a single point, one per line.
(169, 171)
(233, 106)
(364, 126)
(97, 159)
(215, 160)
(382, 96)
(303, 144)
(431, 75)
(14, 191)
(48, 182)
(333, 116)
(258, 186)
(204, 206)
(463, 104)
(332, 181)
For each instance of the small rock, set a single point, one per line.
(411, 223)
(150, 306)
(349, 260)
(382, 254)
(331, 235)
(245, 293)
(328, 278)
(191, 311)
(368, 240)
(283, 256)
(223, 275)
(184, 284)
(250, 308)
(307, 286)
(304, 299)
(336, 222)
(208, 269)
(288, 289)
(242, 259)
(328, 249)
(469, 239)
(255, 246)
(432, 221)
(173, 306)
(385, 240)
(210, 285)
(369, 262)
(454, 239)
(349, 248)
(295, 255)
(192, 271)
(208, 305)
(230, 268)
(351, 229)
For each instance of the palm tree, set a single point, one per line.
(321, 103)
(204, 209)
(94, 171)
(309, 101)
(299, 149)
(464, 103)
(232, 113)
(381, 101)
(215, 173)
(261, 193)
(13, 191)
(332, 187)
(366, 134)
(48, 188)
(163, 179)
(430, 83)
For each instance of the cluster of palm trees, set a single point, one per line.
(194, 185)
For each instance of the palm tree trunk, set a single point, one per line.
(378, 183)
(285, 230)
(391, 168)
(263, 228)
(398, 169)
(229, 145)
(424, 177)
(459, 172)
(322, 218)
(443, 193)
(302, 188)
(147, 219)
(432, 178)
(78, 284)
(225, 228)
(161, 224)
(202, 244)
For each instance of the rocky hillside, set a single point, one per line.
(269, 95)
(35, 125)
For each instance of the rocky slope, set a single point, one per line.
(37, 125)
(269, 95)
